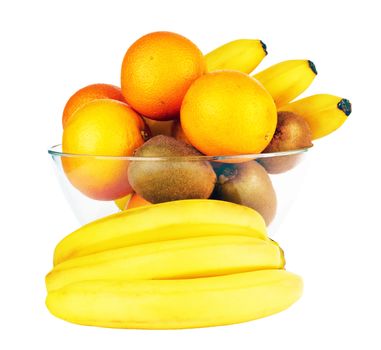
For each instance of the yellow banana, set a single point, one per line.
(243, 55)
(287, 80)
(170, 304)
(176, 259)
(164, 221)
(324, 113)
(121, 203)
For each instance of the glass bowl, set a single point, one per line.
(267, 182)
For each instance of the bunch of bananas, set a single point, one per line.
(284, 81)
(181, 264)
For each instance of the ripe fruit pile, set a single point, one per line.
(191, 105)
(174, 257)
(194, 263)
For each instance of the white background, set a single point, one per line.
(331, 236)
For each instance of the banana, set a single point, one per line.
(287, 80)
(164, 221)
(121, 203)
(243, 55)
(176, 259)
(171, 304)
(324, 113)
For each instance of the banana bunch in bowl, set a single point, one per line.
(180, 264)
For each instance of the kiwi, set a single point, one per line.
(170, 179)
(159, 127)
(292, 132)
(247, 184)
(178, 133)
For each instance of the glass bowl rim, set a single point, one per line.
(56, 151)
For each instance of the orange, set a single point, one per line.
(105, 128)
(157, 71)
(87, 94)
(137, 201)
(228, 113)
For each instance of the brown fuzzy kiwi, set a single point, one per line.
(292, 132)
(173, 179)
(247, 184)
(159, 127)
(178, 133)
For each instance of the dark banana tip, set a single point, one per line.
(312, 66)
(264, 47)
(345, 106)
